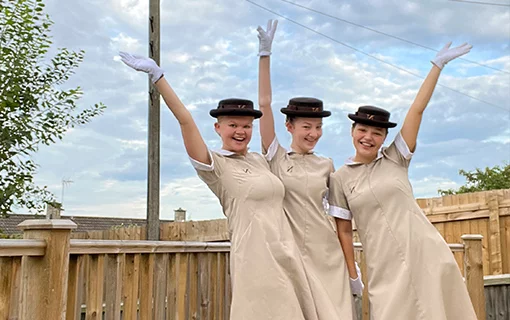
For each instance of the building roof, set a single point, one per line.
(8, 224)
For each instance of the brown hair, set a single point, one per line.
(290, 119)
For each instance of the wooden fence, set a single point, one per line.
(47, 275)
(486, 213)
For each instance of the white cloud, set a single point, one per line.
(209, 52)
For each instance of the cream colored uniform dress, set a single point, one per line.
(412, 274)
(305, 178)
(268, 279)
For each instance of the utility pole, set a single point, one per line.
(154, 129)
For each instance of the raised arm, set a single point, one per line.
(195, 145)
(413, 118)
(267, 131)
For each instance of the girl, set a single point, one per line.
(268, 280)
(412, 273)
(305, 176)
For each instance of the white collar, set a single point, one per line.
(350, 161)
(228, 153)
(290, 150)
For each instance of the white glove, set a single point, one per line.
(446, 54)
(356, 284)
(140, 63)
(266, 38)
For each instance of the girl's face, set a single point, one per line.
(235, 132)
(306, 132)
(367, 141)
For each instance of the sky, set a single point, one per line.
(209, 52)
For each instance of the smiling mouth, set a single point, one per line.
(365, 144)
(239, 139)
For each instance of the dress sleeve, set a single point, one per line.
(209, 173)
(398, 151)
(338, 206)
(275, 151)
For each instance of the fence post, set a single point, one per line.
(473, 272)
(44, 279)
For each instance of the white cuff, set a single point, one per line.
(202, 166)
(402, 147)
(271, 151)
(341, 213)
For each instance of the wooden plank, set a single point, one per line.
(496, 263)
(439, 226)
(131, 281)
(457, 233)
(505, 243)
(458, 216)
(203, 285)
(182, 285)
(146, 285)
(73, 305)
(193, 287)
(113, 286)
(95, 289)
(213, 285)
(5, 286)
(365, 304)
(496, 280)
(448, 233)
(14, 310)
(221, 287)
(160, 283)
(482, 229)
(473, 273)
(171, 287)
(228, 286)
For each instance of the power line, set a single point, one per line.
(387, 34)
(485, 3)
(372, 56)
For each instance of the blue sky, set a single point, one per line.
(209, 52)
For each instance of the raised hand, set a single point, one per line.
(140, 63)
(447, 54)
(266, 37)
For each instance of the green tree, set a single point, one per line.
(482, 180)
(34, 108)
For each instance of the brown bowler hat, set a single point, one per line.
(235, 107)
(372, 116)
(305, 107)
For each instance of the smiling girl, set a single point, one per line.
(266, 270)
(305, 176)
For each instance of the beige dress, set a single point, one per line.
(412, 274)
(305, 178)
(268, 279)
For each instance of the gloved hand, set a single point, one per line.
(447, 54)
(356, 284)
(266, 38)
(140, 63)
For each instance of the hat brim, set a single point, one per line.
(215, 113)
(304, 114)
(373, 123)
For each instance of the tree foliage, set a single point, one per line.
(34, 108)
(482, 180)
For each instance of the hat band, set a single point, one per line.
(372, 116)
(235, 106)
(307, 109)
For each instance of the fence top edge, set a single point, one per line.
(47, 224)
(495, 280)
(471, 237)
